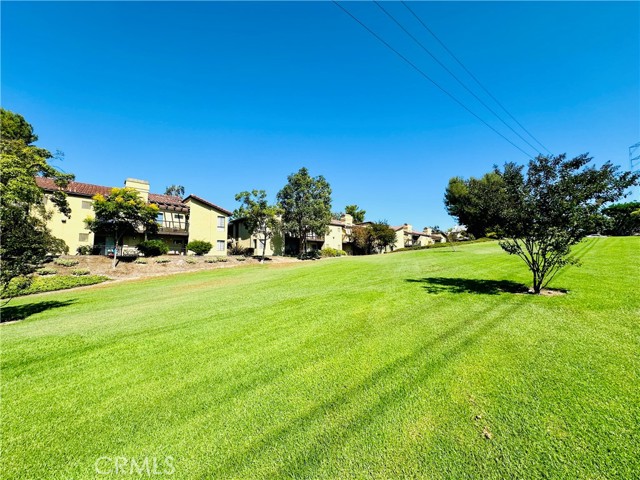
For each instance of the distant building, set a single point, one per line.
(179, 220)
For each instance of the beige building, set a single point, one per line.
(179, 221)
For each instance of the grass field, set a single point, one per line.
(414, 365)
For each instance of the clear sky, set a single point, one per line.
(225, 97)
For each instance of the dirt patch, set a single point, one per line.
(156, 266)
(547, 292)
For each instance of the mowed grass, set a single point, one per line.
(412, 365)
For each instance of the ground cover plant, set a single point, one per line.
(421, 364)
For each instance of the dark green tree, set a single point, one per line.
(306, 206)
(259, 216)
(356, 212)
(26, 241)
(543, 211)
(373, 237)
(623, 218)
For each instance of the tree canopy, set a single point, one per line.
(26, 240)
(623, 218)
(373, 237)
(356, 212)
(541, 212)
(175, 191)
(306, 206)
(258, 215)
(122, 212)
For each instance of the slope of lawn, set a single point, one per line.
(414, 365)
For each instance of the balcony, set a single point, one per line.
(315, 238)
(173, 228)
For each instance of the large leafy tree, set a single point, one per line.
(121, 213)
(624, 218)
(356, 212)
(306, 206)
(373, 237)
(26, 241)
(551, 206)
(259, 216)
(175, 191)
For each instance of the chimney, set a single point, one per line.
(408, 227)
(346, 218)
(141, 186)
(427, 230)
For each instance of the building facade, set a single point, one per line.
(179, 220)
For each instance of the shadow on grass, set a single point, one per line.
(469, 285)
(11, 313)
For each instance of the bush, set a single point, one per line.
(210, 260)
(140, 261)
(78, 272)
(163, 260)
(46, 271)
(241, 259)
(332, 252)
(310, 255)
(84, 250)
(190, 261)
(222, 259)
(153, 248)
(236, 249)
(50, 284)
(63, 262)
(199, 247)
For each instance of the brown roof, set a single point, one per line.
(89, 190)
(336, 222)
(209, 204)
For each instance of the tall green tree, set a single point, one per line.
(260, 218)
(548, 208)
(122, 212)
(306, 206)
(356, 212)
(26, 240)
(175, 191)
(374, 237)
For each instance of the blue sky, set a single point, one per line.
(225, 97)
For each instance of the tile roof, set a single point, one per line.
(209, 204)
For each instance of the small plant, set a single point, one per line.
(163, 260)
(78, 272)
(153, 248)
(235, 249)
(199, 247)
(46, 271)
(241, 259)
(210, 260)
(222, 259)
(191, 261)
(84, 250)
(140, 261)
(332, 252)
(310, 255)
(63, 262)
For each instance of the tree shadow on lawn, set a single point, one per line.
(469, 285)
(12, 313)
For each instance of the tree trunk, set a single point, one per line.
(264, 248)
(537, 283)
(115, 249)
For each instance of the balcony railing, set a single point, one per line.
(173, 228)
(315, 238)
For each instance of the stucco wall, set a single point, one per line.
(72, 230)
(203, 225)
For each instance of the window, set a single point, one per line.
(83, 237)
(86, 205)
(160, 217)
(220, 222)
(220, 245)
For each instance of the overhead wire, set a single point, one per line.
(421, 72)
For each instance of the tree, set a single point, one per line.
(175, 191)
(356, 212)
(26, 240)
(306, 206)
(544, 211)
(373, 237)
(122, 212)
(259, 217)
(623, 218)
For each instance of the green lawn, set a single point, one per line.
(414, 365)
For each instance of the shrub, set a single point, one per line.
(310, 255)
(241, 259)
(78, 272)
(84, 250)
(199, 247)
(46, 271)
(50, 284)
(210, 260)
(153, 248)
(163, 260)
(190, 261)
(140, 261)
(332, 252)
(236, 249)
(63, 262)
(222, 259)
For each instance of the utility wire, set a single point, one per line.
(426, 76)
(421, 45)
(473, 76)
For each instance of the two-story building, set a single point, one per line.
(179, 220)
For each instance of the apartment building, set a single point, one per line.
(179, 220)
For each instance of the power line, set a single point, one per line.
(535, 149)
(473, 76)
(426, 76)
